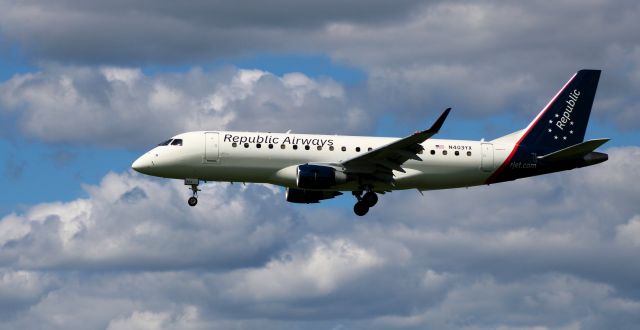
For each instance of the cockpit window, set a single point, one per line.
(165, 143)
(176, 142)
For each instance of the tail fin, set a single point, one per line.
(563, 122)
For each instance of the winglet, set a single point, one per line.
(438, 123)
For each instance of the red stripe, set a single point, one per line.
(495, 174)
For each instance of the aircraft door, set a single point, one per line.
(486, 162)
(211, 149)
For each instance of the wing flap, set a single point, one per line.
(389, 165)
(407, 154)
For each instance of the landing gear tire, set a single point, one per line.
(361, 208)
(193, 200)
(371, 198)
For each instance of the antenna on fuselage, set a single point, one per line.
(289, 131)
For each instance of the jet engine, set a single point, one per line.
(319, 177)
(309, 196)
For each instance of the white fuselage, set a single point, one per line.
(320, 167)
(273, 158)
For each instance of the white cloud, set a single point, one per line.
(473, 305)
(187, 319)
(549, 252)
(21, 289)
(125, 75)
(113, 106)
(433, 280)
(118, 224)
(629, 233)
(317, 270)
(479, 57)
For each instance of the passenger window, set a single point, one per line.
(433, 152)
(357, 149)
(331, 148)
(246, 145)
(468, 153)
(282, 146)
(319, 148)
(295, 147)
(344, 148)
(176, 142)
(444, 152)
(369, 149)
(258, 146)
(457, 153)
(270, 146)
(234, 144)
(165, 143)
(306, 147)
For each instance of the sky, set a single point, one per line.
(87, 86)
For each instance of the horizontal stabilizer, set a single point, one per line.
(574, 151)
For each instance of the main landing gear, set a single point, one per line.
(366, 201)
(193, 200)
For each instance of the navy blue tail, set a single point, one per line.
(563, 122)
(560, 125)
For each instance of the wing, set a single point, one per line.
(379, 163)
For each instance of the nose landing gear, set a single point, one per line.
(365, 202)
(193, 200)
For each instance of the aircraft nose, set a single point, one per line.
(142, 164)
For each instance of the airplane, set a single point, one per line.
(319, 167)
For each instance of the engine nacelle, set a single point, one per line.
(319, 177)
(309, 196)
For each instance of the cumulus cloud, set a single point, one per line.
(550, 252)
(545, 252)
(629, 233)
(487, 57)
(98, 233)
(142, 30)
(558, 297)
(124, 107)
(317, 272)
(187, 319)
(481, 57)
